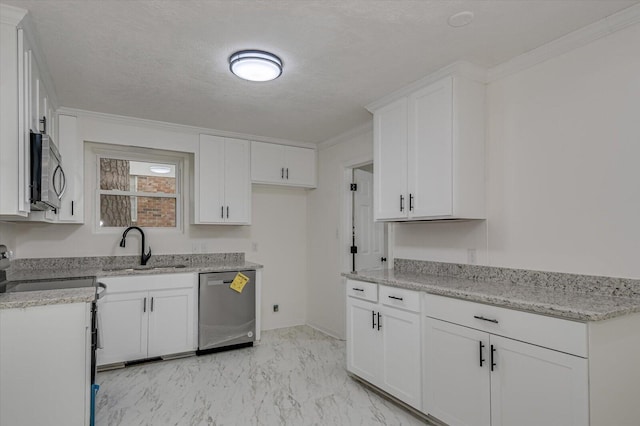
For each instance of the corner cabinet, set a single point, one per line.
(222, 181)
(283, 165)
(429, 153)
(383, 339)
(147, 316)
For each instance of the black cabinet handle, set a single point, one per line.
(395, 298)
(72, 208)
(481, 348)
(287, 173)
(379, 325)
(495, 321)
(401, 203)
(493, 351)
(222, 212)
(144, 305)
(282, 173)
(410, 202)
(357, 289)
(227, 212)
(373, 319)
(152, 304)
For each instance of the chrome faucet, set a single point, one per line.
(143, 257)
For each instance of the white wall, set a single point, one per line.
(326, 292)
(279, 226)
(562, 169)
(7, 235)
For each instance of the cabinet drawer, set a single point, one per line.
(127, 283)
(362, 290)
(400, 298)
(553, 333)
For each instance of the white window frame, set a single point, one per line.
(150, 155)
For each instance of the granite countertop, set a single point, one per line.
(53, 269)
(557, 302)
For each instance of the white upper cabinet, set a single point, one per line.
(283, 165)
(222, 181)
(429, 153)
(71, 149)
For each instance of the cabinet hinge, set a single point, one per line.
(353, 186)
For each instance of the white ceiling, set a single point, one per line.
(167, 60)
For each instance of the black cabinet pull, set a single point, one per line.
(379, 325)
(222, 212)
(481, 348)
(152, 304)
(144, 305)
(495, 321)
(410, 202)
(395, 298)
(357, 289)
(373, 319)
(493, 351)
(227, 212)
(287, 173)
(401, 203)
(282, 173)
(72, 208)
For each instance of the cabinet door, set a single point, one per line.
(44, 372)
(71, 209)
(300, 166)
(402, 372)
(364, 356)
(123, 321)
(430, 151)
(267, 162)
(390, 159)
(532, 386)
(210, 180)
(171, 315)
(237, 193)
(456, 386)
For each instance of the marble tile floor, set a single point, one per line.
(295, 376)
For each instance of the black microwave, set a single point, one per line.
(48, 181)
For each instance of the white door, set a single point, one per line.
(364, 341)
(123, 322)
(533, 386)
(210, 178)
(431, 150)
(300, 165)
(369, 234)
(390, 159)
(171, 322)
(267, 162)
(402, 361)
(456, 385)
(237, 193)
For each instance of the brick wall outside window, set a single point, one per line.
(158, 212)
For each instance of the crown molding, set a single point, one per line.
(347, 136)
(174, 127)
(564, 44)
(11, 15)
(460, 68)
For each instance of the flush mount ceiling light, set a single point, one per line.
(461, 19)
(162, 170)
(255, 65)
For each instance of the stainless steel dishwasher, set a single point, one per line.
(226, 318)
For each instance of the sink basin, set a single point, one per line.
(142, 268)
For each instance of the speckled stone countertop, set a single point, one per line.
(568, 296)
(51, 269)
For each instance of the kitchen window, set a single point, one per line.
(140, 188)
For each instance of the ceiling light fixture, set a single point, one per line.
(255, 65)
(162, 170)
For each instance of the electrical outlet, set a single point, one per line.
(276, 308)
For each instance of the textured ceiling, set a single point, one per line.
(167, 60)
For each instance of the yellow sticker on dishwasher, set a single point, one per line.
(239, 282)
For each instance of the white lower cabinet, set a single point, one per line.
(383, 339)
(146, 316)
(45, 365)
(483, 373)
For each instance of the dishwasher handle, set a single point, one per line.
(218, 282)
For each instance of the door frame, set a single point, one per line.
(346, 215)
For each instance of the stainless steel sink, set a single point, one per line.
(142, 268)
